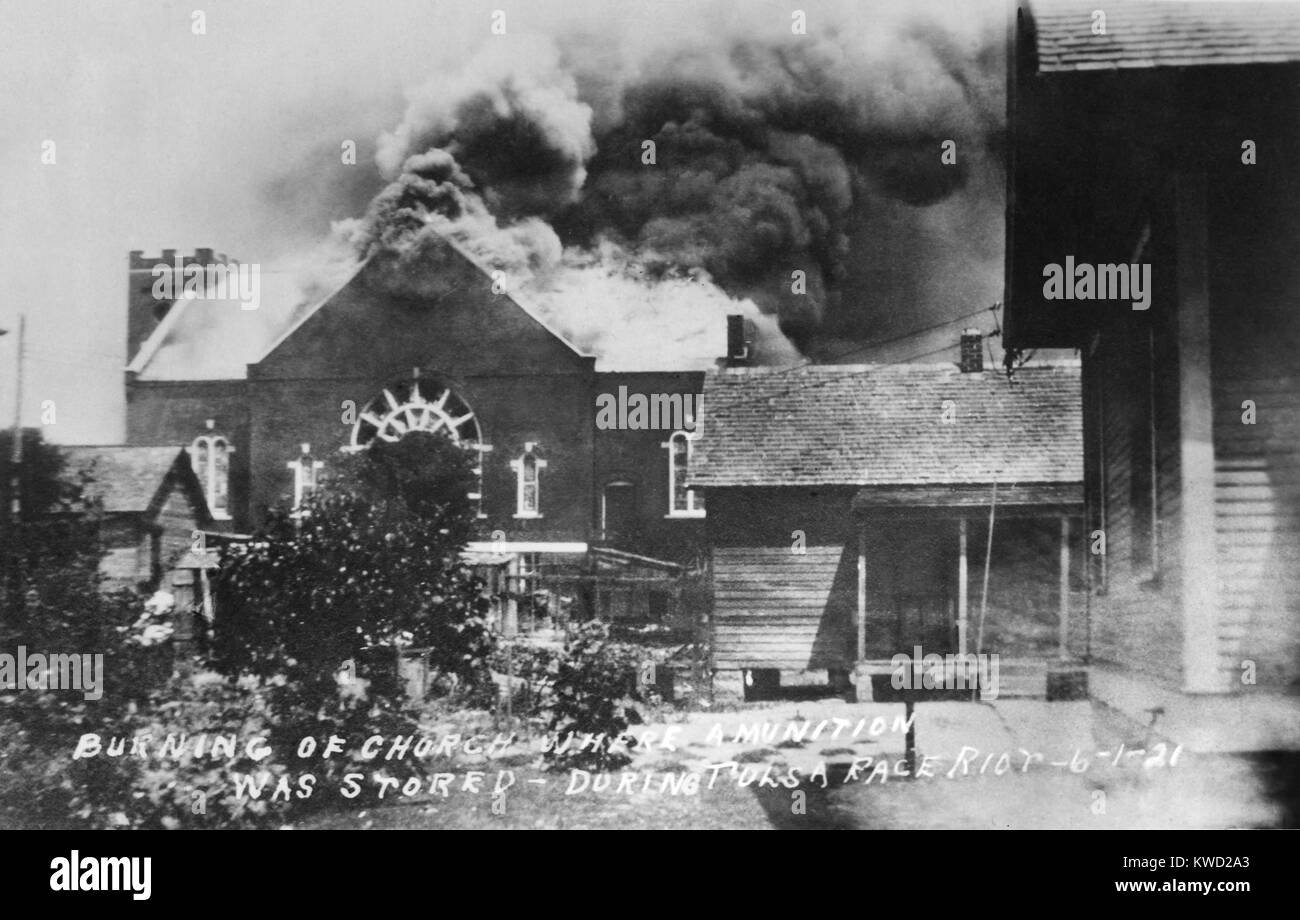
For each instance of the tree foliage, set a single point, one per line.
(53, 604)
(369, 562)
(587, 688)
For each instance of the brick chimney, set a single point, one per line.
(972, 351)
(740, 342)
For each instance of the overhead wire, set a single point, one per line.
(829, 380)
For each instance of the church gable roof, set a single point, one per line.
(201, 339)
(437, 306)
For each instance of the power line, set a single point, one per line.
(834, 359)
(117, 358)
(907, 335)
(40, 360)
(44, 359)
(829, 380)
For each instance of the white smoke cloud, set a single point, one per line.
(604, 300)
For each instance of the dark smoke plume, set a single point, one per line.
(770, 153)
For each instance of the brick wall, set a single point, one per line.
(524, 384)
(176, 412)
(640, 457)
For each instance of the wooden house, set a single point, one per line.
(1165, 137)
(150, 503)
(850, 509)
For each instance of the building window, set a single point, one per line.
(401, 409)
(405, 407)
(477, 496)
(682, 502)
(528, 477)
(306, 475)
(210, 457)
(528, 484)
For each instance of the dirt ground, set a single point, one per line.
(829, 764)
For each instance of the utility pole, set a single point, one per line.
(16, 456)
(13, 577)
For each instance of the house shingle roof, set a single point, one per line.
(1164, 33)
(125, 479)
(874, 425)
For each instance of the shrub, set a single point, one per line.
(371, 561)
(386, 569)
(53, 602)
(588, 688)
(41, 784)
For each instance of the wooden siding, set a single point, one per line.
(177, 520)
(1255, 318)
(1257, 524)
(1134, 618)
(1136, 621)
(776, 608)
(1138, 135)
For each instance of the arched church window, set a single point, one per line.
(419, 406)
(210, 457)
(528, 482)
(682, 502)
(422, 406)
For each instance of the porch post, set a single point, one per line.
(962, 598)
(1063, 610)
(1196, 549)
(209, 609)
(862, 592)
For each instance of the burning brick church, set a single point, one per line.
(264, 398)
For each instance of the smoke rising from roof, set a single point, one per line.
(611, 167)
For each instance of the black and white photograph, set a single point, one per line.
(651, 415)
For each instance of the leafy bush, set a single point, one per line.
(588, 688)
(43, 784)
(133, 791)
(52, 602)
(370, 561)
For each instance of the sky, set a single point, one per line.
(230, 139)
